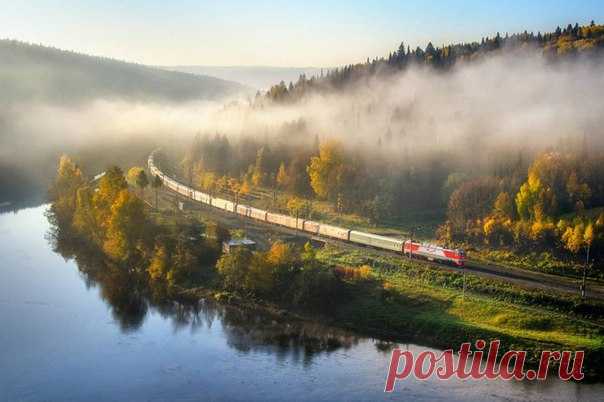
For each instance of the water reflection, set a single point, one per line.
(90, 332)
(131, 298)
(34, 198)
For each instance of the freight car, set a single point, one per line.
(258, 214)
(223, 204)
(282, 220)
(310, 227)
(334, 231)
(243, 210)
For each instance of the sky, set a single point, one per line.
(273, 33)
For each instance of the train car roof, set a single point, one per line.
(376, 236)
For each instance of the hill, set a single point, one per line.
(34, 72)
(258, 77)
(561, 44)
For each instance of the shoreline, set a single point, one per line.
(415, 332)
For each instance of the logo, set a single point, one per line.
(426, 364)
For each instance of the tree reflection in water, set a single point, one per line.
(130, 297)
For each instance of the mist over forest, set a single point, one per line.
(54, 101)
(504, 105)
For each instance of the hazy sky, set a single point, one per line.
(278, 33)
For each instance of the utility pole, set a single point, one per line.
(463, 274)
(297, 212)
(583, 290)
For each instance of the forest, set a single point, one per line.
(560, 44)
(491, 145)
(549, 201)
(38, 73)
(110, 219)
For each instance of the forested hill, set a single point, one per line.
(34, 72)
(572, 41)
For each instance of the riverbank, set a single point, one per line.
(406, 309)
(412, 301)
(438, 321)
(96, 324)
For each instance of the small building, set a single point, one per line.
(235, 244)
(184, 205)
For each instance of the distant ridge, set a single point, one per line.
(36, 72)
(257, 77)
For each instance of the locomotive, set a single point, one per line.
(408, 248)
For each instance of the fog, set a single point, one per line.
(505, 102)
(477, 110)
(501, 101)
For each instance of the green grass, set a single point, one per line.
(543, 261)
(420, 296)
(538, 261)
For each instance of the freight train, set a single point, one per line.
(408, 248)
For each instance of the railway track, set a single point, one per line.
(383, 245)
(521, 277)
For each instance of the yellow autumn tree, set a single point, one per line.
(245, 188)
(110, 186)
(84, 218)
(323, 170)
(280, 254)
(208, 181)
(282, 177)
(64, 189)
(132, 175)
(528, 198)
(573, 238)
(126, 226)
(158, 268)
(258, 173)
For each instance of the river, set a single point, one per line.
(74, 334)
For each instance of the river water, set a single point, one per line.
(70, 333)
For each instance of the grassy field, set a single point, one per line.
(537, 261)
(434, 299)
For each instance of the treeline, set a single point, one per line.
(562, 43)
(288, 275)
(546, 201)
(556, 207)
(113, 220)
(69, 77)
(354, 180)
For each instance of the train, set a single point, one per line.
(409, 248)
